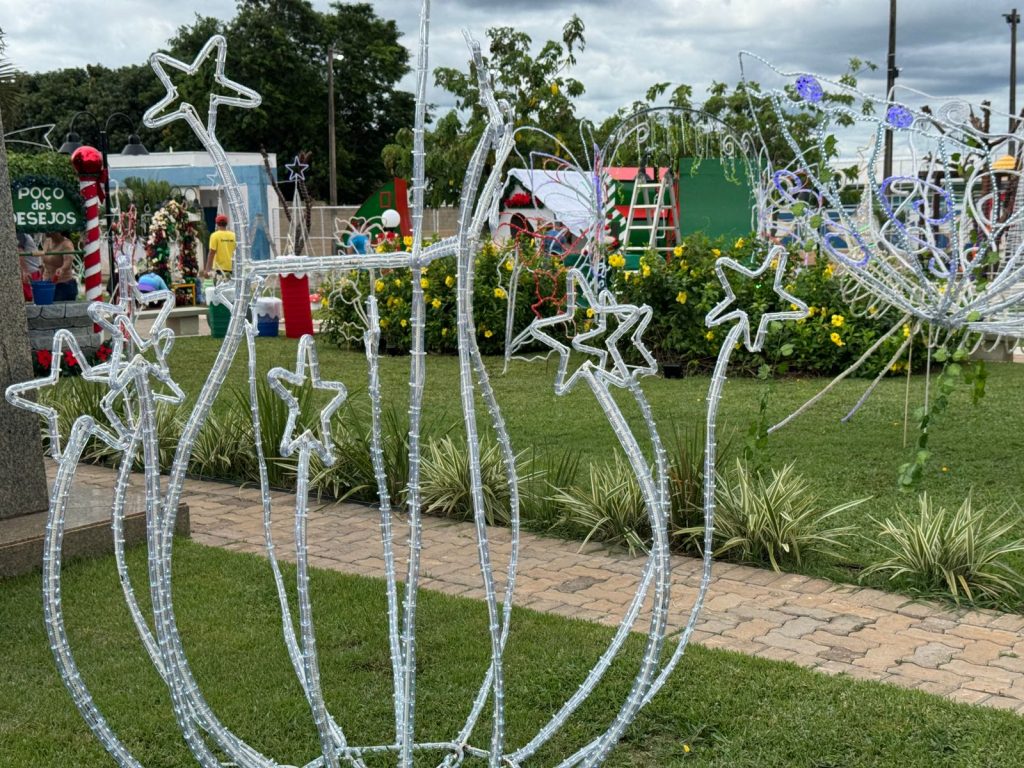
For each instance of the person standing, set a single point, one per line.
(31, 263)
(59, 265)
(222, 248)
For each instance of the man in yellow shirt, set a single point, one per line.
(222, 248)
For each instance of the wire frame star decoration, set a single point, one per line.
(64, 346)
(606, 363)
(728, 309)
(307, 365)
(297, 169)
(160, 115)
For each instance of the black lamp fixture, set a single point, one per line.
(134, 146)
(72, 141)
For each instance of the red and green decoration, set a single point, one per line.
(42, 360)
(170, 224)
(46, 204)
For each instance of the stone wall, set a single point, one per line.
(44, 320)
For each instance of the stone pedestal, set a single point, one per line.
(45, 320)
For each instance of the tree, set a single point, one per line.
(279, 48)
(536, 87)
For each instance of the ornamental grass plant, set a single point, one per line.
(770, 518)
(962, 555)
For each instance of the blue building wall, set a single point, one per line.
(252, 177)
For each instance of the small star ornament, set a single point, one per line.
(306, 360)
(725, 311)
(297, 169)
(605, 364)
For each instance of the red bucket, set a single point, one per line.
(298, 317)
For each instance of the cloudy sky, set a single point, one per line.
(944, 47)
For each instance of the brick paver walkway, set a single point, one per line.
(966, 655)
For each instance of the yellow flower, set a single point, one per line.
(646, 270)
(838, 321)
(398, 283)
(681, 297)
(945, 469)
(794, 307)
(872, 310)
(586, 325)
(488, 333)
(384, 322)
(837, 339)
(509, 265)
(739, 243)
(812, 311)
(436, 303)
(829, 269)
(554, 89)
(625, 276)
(499, 293)
(424, 282)
(444, 331)
(403, 322)
(716, 252)
(774, 264)
(709, 335)
(407, 241)
(378, 285)
(677, 251)
(616, 261)
(324, 302)
(449, 281)
(590, 311)
(906, 331)
(380, 248)
(686, 748)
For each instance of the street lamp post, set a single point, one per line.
(891, 73)
(73, 141)
(331, 147)
(1013, 19)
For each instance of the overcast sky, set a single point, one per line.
(944, 47)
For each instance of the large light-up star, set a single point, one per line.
(630, 320)
(157, 116)
(297, 169)
(307, 359)
(776, 259)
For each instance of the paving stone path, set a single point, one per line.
(966, 655)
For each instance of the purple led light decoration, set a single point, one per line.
(809, 89)
(899, 116)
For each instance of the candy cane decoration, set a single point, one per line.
(89, 164)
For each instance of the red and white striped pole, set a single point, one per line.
(89, 164)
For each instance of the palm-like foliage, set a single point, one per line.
(610, 509)
(963, 554)
(768, 518)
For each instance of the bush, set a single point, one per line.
(768, 521)
(682, 287)
(959, 555)
(611, 509)
(445, 488)
(341, 313)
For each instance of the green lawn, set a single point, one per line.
(975, 448)
(732, 711)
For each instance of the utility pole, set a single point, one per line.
(1013, 19)
(331, 152)
(890, 82)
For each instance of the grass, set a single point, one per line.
(731, 711)
(980, 447)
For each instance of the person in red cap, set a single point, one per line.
(222, 248)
